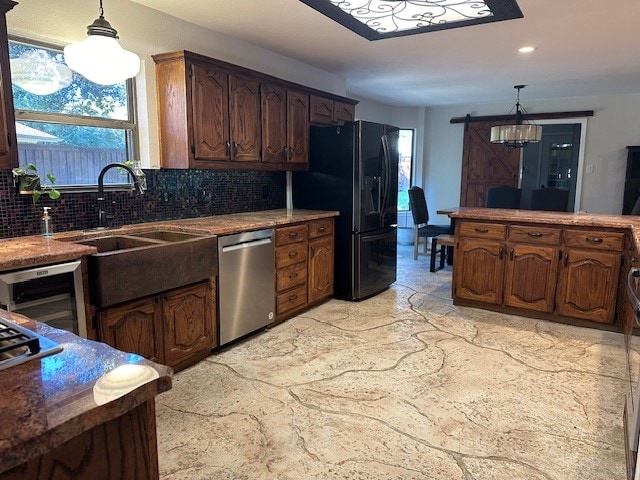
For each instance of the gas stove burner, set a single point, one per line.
(18, 345)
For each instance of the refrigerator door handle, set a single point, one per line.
(387, 180)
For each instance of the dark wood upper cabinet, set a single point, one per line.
(8, 141)
(213, 114)
(244, 119)
(274, 123)
(210, 102)
(326, 111)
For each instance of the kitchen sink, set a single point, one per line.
(116, 242)
(167, 236)
(127, 267)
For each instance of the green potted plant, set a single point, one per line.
(28, 182)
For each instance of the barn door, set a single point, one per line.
(485, 164)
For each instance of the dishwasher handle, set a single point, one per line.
(243, 245)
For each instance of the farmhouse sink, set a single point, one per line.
(167, 236)
(128, 267)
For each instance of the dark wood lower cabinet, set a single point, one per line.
(176, 328)
(588, 284)
(121, 449)
(189, 324)
(134, 327)
(320, 279)
(531, 277)
(479, 271)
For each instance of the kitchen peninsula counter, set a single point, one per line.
(569, 267)
(55, 410)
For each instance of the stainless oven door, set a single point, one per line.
(50, 294)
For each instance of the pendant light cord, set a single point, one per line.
(101, 9)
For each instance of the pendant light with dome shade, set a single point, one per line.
(519, 134)
(99, 57)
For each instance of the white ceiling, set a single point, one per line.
(584, 47)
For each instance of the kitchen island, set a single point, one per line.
(87, 412)
(568, 267)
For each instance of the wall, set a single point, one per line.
(615, 125)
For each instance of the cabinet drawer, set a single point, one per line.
(494, 231)
(291, 276)
(290, 254)
(293, 234)
(292, 300)
(537, 235)
(320, 228)
(594, 239)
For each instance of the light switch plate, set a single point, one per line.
(589, 168)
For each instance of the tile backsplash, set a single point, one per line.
(171, 194)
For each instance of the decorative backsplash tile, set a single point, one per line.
(171, 194)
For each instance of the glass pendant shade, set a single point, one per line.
(102, 60)
(516, 135)
(99, 57)
(38, 73)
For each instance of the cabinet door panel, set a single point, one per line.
(320, 281)
(321, 110)
(274, 124)
(587, 285)
(298, 127)
(245, 124)
(188, 322)
(210, 114)
(8, 143)
(134, 327)
(479, 271)
(344, 112)
(531, 277)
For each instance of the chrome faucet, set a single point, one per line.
(139, 182)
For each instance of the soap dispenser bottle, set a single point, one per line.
(47, 227)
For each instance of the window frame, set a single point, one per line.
(130, 127)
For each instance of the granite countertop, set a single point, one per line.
(578, 219)
(46, 402)
(23, 252)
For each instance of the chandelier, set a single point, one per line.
(519, 134)
(378, 19)
(99, 57)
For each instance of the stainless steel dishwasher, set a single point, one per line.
(246, 283)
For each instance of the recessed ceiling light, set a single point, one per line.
(526, 49)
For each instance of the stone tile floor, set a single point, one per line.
(404, 385)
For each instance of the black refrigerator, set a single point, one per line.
(354, 169)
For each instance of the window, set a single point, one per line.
(405, 167)
(65, 124)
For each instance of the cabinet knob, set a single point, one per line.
(482, 230)
(501, 253)
(292, 297)
(293, 254)
(293, 234)
(594, 240)
(235, 149)
(511, 254)
(293, 275)
(565, 259)
(227, 148)
(534, 234)
(322, 229)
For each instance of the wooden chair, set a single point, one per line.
(443, 241)
(421, 227)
